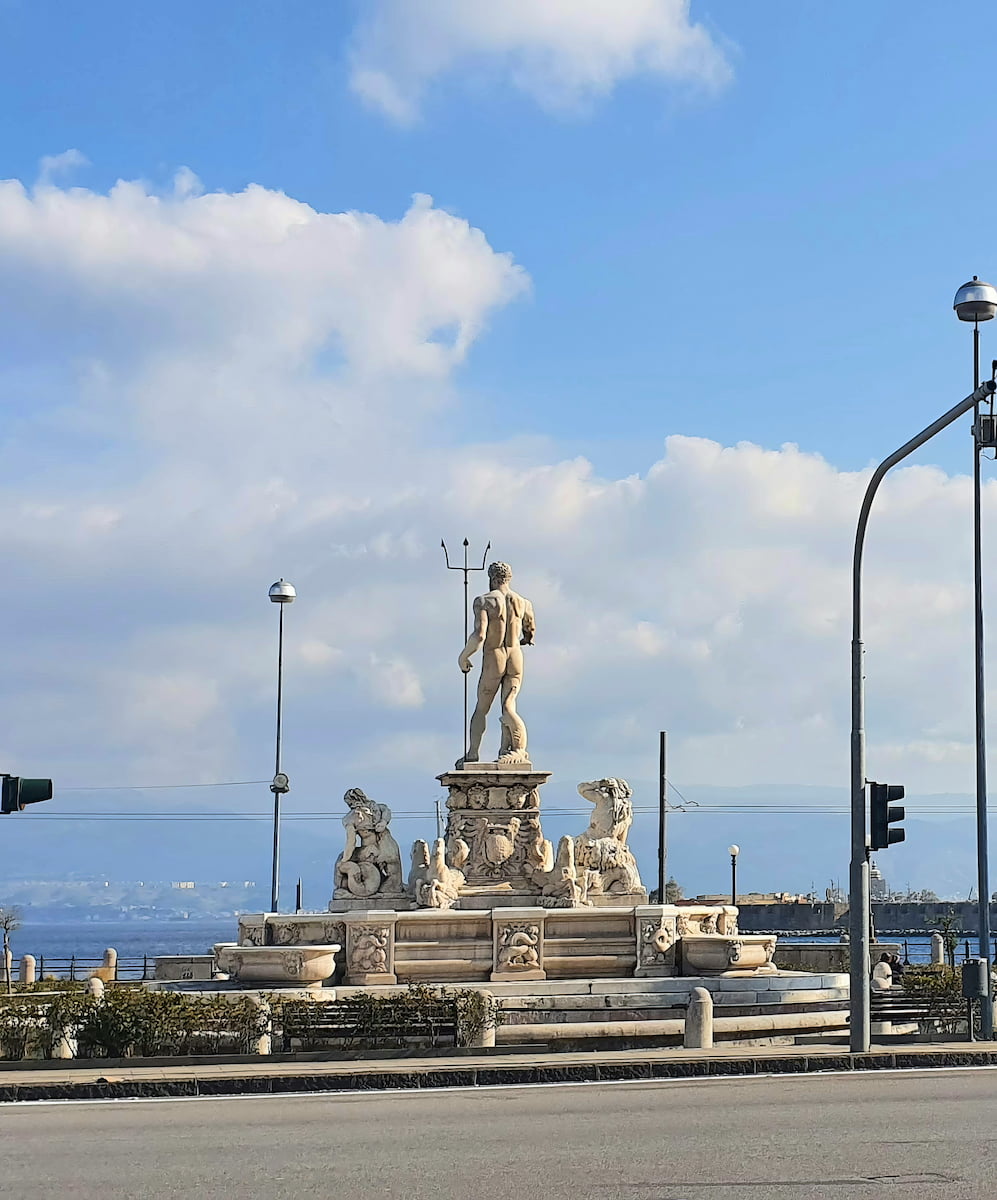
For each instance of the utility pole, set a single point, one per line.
(662, 814)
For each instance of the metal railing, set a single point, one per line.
(78, 967)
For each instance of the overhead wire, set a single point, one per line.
(687, 805)
(422, 814)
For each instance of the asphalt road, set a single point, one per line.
(915, 1136)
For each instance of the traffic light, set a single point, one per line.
(18, 793)
(882, 814)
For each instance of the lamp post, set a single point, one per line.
(733, 851)
(281, 593)
(858, 876)
(977, 301)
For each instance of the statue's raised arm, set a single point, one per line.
(529, 624)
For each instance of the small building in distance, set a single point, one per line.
(757, 898)
(878, 887)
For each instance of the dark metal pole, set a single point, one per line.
(467, 626)
(467, 734)
(858, 876)
(733, 879)
(662, 814)
(275, 874)
(982, 840)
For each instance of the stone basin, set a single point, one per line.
(716, 954)
(304, 966)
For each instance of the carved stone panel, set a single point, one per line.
(656, 939)
(370, 950)
(518, 945)
(252, 931)
(317, 932)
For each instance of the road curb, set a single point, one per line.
(205, 1083)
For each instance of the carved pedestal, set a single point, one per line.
(493, 832)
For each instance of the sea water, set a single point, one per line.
(132, 939)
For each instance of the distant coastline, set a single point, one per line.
(84, 916)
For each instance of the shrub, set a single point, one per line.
(369, 1020)
(939, 987)
(152, 1024)
(18, 1020)
(127, 1022)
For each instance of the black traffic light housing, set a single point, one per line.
(17, 793)
(882, 814)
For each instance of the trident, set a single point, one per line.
(467, 571)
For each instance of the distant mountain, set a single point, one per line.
(198, 850)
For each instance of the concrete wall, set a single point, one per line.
(823, 959)
(791, 918)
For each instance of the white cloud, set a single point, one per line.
(564, 53)
(243, 388)
(52, 165)
(393, 682)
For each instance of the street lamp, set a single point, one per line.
(281, 593)
(858, 876)
(733, 851)
(977, 301)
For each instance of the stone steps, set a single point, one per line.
(762, 1026)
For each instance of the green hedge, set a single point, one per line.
(137, 1022)
(126, 1023)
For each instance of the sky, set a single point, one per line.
(636, 290)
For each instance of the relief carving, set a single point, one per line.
(370, 947)
(656, 940)
(333, 933)
(518, 947)
(712, 921)
(498, 845)
(476, 796)
(307, 933)
(518, 796)
(493, 846)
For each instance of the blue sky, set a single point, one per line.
(773, 262)
(734, 228)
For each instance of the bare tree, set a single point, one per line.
(10, 919)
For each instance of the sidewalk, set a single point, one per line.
(123, 1079)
